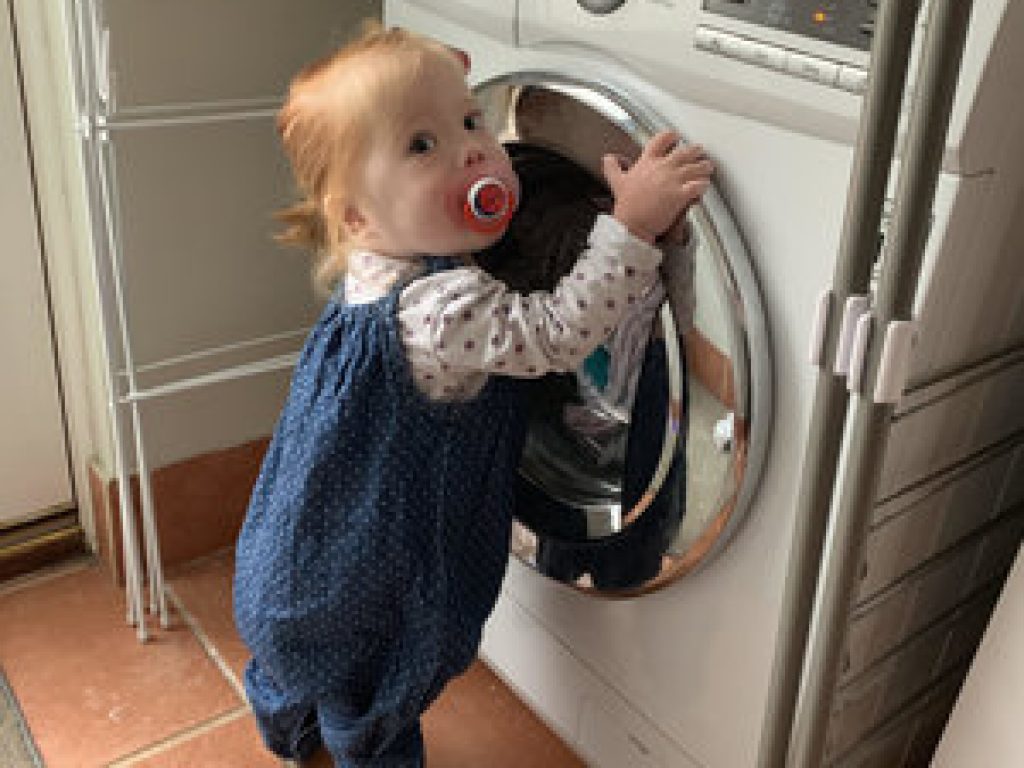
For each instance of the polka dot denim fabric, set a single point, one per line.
(376, 538)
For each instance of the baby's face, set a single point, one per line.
(417, 176)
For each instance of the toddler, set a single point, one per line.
(377, 534)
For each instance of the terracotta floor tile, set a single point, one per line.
(477, 723)
(232, 744)
(204, 588)
(90, 691)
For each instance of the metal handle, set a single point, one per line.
(871, 421)
(876, 141)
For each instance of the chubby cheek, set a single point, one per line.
(438, 201)
(439, 222)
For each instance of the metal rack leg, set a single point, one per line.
(129, 535)
(150, 534)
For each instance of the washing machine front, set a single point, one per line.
(640, 466)
(677, 675)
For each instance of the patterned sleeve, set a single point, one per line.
(462, 323)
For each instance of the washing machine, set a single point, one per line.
(672, 668)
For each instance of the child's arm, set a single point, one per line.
(465, 321)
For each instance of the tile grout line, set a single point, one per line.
(187, 734)
(207, 645)
(211, 651)
(175, 739)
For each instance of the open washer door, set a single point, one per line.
(640, 466)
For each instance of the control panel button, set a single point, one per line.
(722, 43)
(812, 68)
(853, 79)
(733, 46)
(764, 55)
(707, 39)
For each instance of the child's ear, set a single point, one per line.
(354, 221)
(358, 227)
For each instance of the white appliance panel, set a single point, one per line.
(34, 473)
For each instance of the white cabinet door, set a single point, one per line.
(34, 473)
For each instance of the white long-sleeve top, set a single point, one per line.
(461, 325)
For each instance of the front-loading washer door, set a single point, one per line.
(639, 466)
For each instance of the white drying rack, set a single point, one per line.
(98, 119)
(127, 396)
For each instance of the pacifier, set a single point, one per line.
(489, 205)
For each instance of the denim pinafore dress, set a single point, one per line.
(377, 533)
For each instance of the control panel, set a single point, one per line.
(818, 69)
(844, 22)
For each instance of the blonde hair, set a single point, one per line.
(334, 108)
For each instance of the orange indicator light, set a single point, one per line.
(820, 17)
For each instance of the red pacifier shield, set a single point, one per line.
(489, 205)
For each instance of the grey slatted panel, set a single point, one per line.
(907, 740)
(865, 702)
(917, 526)
(892, 617)
(927, 440)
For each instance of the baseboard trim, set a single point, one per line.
(33, 545)
(200, 504)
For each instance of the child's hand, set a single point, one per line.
(653, 193)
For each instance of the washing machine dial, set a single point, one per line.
(601, 6)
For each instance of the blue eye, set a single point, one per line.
(472, 121)
(422, 143)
